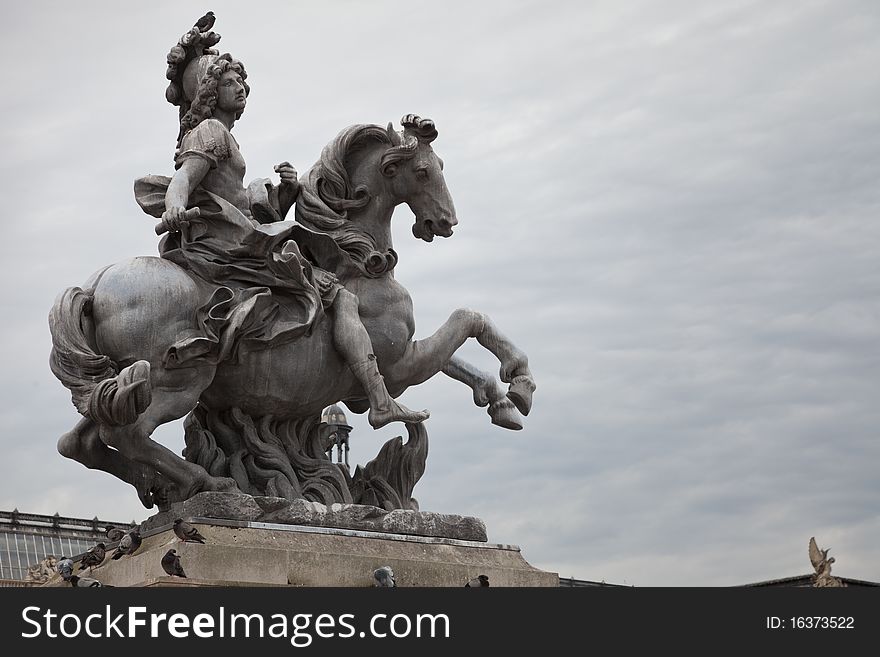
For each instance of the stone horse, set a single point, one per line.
(110, 339)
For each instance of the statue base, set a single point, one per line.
(249, 553)
(359, 517)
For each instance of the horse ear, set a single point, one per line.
(393, 135)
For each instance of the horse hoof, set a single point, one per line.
(156, 490)
(520, 393)
(222, 484)
(481, 395)
(211, 483)
(146, 498)
(504, 414)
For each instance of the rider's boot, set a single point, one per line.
(383, 408)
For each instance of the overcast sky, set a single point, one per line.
(671, 207)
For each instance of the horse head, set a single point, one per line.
(362, 175)
(415, 174)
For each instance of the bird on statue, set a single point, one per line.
(128, 545)
(171, 564)
(479, 580)
(186, 532)
(114, 533)
(206, 22)
(822, 563)
(384, 577)
(819, 558)
(65, 568)
(84, 582)
(94, 557)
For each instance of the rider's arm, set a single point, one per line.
(288, 190)
(201, 150)
(191, 172)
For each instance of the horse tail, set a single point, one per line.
(98, 389)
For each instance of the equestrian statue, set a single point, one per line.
(249, 323)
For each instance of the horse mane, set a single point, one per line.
(327, 195)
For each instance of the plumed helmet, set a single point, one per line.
(193, 74)
(188, 60)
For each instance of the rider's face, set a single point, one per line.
(230, 92)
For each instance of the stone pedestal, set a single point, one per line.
(245, 553)
(280, 511)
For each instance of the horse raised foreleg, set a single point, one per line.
(83, 444)
(424, 358)
(487, 392)
(174, 394)
(514, 365)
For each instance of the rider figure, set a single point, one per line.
(273, 293)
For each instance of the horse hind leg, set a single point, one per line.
(83, 444)
(133, 324)
(174, 394)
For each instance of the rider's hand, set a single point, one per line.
(287, 173)
(172, 218)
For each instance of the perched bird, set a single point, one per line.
(186, 532)
(822, 563)
(114, 533)
(65, 568)
(128, 545)
(94, 557)
(84, 582)
(479, 580)
(206, 22)
(819, 558)
(171, 564)
(384, 576)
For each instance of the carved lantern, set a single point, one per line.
(339, 433)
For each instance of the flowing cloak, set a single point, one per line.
(265, 289)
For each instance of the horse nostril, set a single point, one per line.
(446, 224)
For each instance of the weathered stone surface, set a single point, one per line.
(269, 504)
(209, 504)
(299, 556)
(359, 517)
(425, 523)
(370, 518)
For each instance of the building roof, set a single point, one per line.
(333, 414)
(26, 539)
(16, 521)
(572, 582)
(807, 580)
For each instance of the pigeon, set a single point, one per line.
(186, 532)
(128, 545)
(84, 582)
(479, 580)
(94, 557)
(65, 568)
(384, 576)
(206, 22)
(114, 533)
(171, 564)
